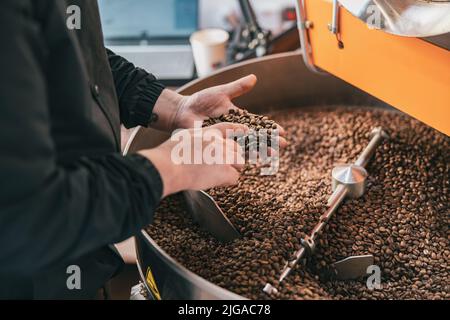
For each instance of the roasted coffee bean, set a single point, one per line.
(402, 219)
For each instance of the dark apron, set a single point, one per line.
(100, 266)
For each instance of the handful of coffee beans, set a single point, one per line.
(253, 121)
(261, 127)
(402, 220)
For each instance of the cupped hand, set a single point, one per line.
(182, 171)
(214, 102)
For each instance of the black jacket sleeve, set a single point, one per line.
(137, 91)
(50, 213)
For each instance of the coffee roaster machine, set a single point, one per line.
(380, 54)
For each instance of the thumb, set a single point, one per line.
(239, 87)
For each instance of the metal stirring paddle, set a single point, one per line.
(348, 180)
(207, 213)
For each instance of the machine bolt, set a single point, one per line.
(308, 24)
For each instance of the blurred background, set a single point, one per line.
(154, 34)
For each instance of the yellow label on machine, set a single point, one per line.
(152, 284)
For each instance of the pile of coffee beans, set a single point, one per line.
(402, 220)
(253, 121)
(256, 123)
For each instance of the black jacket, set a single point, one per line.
(66, 193)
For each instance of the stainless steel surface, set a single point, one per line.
(412, 18)
(340, 191)
(351, 176)
(335, 21)
(209, 216)
(137, 292)
(352, 267)
(305, 46)
(442, 40)
(270, 289)
(377, 136)
(173, 281)
(284, 83)
(347, 181)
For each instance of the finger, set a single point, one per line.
(282, 142)
(234, 154)
(238, 166)
(228, 129)
(232, 146)
(281, 130)
(271, 152)
(239, 87)
(240, 161)
(230, 176)
(231, 106)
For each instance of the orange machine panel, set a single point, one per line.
(408, 73)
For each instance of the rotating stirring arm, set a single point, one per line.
(348, 181)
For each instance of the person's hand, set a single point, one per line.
(178, 174)
(181, 112)
(212, 102)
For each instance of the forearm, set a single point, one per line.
(96, 202)
(137, 91)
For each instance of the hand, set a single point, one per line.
(189, 176)
(212, 102)
(181, 112)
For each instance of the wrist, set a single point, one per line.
(168, 171)
(167, 108)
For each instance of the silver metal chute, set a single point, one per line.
(209, 216)
(411, 18)
(352, 267)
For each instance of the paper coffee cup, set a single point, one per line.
(209, 47)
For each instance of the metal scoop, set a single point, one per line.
(352, 267)
(209, 216)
